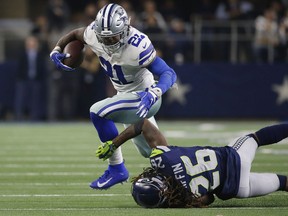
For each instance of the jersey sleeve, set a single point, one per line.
(147, 54)
(140, 50)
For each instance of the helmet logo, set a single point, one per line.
(122, 17)
(111, 21)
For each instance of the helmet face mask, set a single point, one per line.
(109, 41)
(112, 27)
(149, 192)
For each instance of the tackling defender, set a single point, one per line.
(190, 176)
(129, 59)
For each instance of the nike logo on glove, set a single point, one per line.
(100, 185)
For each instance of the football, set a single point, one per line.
(75, 49)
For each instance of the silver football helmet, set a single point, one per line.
(112, 27)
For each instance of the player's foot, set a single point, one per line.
(113, 175)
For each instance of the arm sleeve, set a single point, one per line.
(167, 76)
(271, 134)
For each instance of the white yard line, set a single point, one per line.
(274, 151)
(42, 184)
(90, 195)
(46, 174)
(211, 135)
(111, 208)
(60, 166)
(62, 195)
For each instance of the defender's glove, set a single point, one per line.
(106, 150)
(57, 57)
(203, 201)
(148, 98)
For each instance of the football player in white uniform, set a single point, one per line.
(129, 59)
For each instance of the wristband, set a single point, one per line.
(57, 48)
(157, 91)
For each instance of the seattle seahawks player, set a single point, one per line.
(129, 59)
(190, 176)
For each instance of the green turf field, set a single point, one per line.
(45, 169)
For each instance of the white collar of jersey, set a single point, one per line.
(164, 148)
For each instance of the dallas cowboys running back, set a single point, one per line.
(129, 59)
(189, 176)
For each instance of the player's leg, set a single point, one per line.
(261, 184)
(120, 108)
(271, 134)
(107, 130)
(140, 142)
(246, 147)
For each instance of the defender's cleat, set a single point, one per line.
(115, 174)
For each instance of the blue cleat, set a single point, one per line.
(115, 174)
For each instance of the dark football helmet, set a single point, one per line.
(149, 192)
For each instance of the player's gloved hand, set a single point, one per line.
(106, 150)
(203, 201)
(148, 98)
(57, 57)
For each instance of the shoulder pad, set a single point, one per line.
(156, 152)
(159, 150)
(89, 33)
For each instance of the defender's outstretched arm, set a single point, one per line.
(152, 135)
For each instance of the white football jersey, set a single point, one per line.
(126, 67)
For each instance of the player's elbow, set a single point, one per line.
(159, 67)
(173, 75)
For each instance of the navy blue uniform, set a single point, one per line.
(201, 169)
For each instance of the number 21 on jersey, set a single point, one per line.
(115, 71)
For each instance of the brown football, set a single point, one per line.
(75, 49)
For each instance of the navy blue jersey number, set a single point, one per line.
(136, 39)
(118, 76)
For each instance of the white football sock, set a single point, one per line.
(116, 158)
